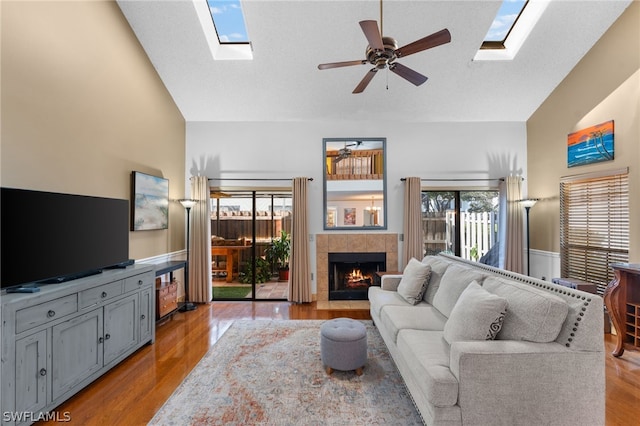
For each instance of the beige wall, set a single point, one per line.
(82, 107)
(605, 85)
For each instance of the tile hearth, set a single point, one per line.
(351, 243)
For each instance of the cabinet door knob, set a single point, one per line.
(104, 294)
(140, 282)
(101, 340)
(107, 336)
(143, 316)
(51, 313)
(43, 372)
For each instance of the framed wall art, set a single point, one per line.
(591, 145)
(149, 202)
(332, 217)
(350, 216)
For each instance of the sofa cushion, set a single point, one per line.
(379, 298)
(426, 353)
(419, 317)
(455, 279)
(413, 283)
(438, 267)
(534, 315)
(477, 315)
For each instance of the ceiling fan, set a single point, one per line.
(346, 151)
(382, 53)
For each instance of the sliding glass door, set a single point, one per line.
(464, 223)
(245, 225)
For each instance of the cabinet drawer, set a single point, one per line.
(137, 281)
(95, 295)
(166, 307)
(166, 298)
(41, 314)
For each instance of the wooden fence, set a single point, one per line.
(479, 232)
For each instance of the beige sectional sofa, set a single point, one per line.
(484, 346)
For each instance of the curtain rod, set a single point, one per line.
(256, 179)
(454, 180)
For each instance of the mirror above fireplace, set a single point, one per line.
(355, 183)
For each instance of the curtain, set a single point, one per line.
(300, 273)
(510, 224)
(200, 242)
(412, 227)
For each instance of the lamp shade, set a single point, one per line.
(188, 203)
(529, 202)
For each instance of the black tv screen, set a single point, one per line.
(52, 237)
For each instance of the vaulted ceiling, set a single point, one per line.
(290, 38)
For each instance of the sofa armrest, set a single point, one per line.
(516, 382)
(390, 282)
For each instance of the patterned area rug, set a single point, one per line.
(270, 373)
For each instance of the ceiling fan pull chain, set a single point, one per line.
(387, 75)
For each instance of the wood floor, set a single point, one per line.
(133, 391)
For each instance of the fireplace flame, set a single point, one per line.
(355, 276)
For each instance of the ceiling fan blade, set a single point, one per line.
(365, 81)
(341, 64)
(433, 40)
(408, 74)
(371, 31)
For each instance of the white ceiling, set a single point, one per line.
(290, 38)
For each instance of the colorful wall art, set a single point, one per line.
(590, 145)
(350, 216)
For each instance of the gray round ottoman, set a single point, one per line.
(343, 345)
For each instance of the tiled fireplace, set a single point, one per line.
(386, 244)
(351, 274)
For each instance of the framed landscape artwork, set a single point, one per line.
(591, 145)
(149, 202)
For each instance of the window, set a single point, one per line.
(228, 20)
(594, 226)
(511, 27)
(464, 223)
(503, 23)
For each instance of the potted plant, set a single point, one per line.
(278, 255)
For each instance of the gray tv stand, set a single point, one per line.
(60, 339)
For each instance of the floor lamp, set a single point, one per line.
(527, 204)
(187, 306)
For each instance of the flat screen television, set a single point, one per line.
(50, 237)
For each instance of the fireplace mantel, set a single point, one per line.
(351, 243)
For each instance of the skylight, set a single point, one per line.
(228, 20)
(511, 27)
(503, 23)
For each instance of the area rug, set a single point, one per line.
(270, 373)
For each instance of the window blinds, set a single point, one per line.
(594, 226)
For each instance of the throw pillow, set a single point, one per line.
(414, 281)
(438, 268)
(477, 315)
(534, 315)
(453, 282)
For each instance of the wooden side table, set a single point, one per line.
(622, 299)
